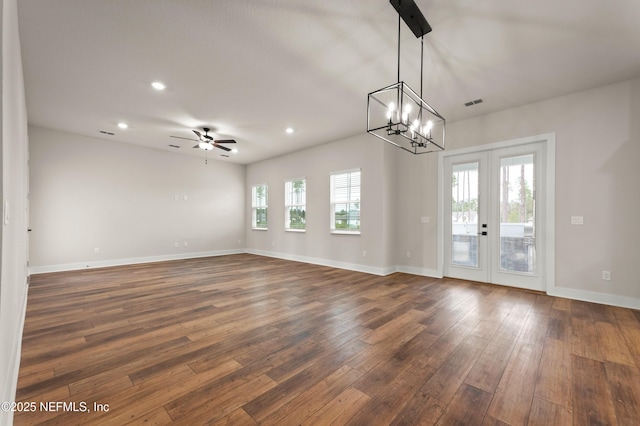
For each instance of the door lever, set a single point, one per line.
(482, 233)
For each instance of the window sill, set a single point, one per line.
(340, 232)
(259, 229)
(295, 230)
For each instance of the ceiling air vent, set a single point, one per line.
(470, 103)
(106, 133)
(174, 146)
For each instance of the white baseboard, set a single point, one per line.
(129, 261)
(13, 368)
(433, 273)
(326, 262)
(595, 297)
(569, 293)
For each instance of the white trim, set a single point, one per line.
(9, 388)
(426, 272)
(344, 232)
(545, 137)
(129, 261)
(549, 141)
(326, 262)
(595, 297)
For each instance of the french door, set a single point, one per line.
(494, 216)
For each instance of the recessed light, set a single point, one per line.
(123, 125)
(289, 130)
(234, 150)
(158, 85)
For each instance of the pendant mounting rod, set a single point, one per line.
(412, 16)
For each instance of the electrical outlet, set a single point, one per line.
(425, 219)
(186, 244)
(606, 275)
(408, 254)
(176, 245)
(577, 220)
(364, 253)
(96, 250)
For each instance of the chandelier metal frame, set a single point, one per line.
(396, 113)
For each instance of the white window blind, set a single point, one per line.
(345, 201)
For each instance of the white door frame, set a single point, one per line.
(548, 251)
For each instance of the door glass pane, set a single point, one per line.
(517, 214)
(464, 214)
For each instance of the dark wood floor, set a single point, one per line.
(244, 340)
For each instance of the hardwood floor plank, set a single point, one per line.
(624, 382)
(631, 335)
(340, 409)
(545, 413)
(244, 340)
(444, 383)
(613, 345)
(420, 409)
(468, 406)
(592, 399)
(313, 399)
(585, 341)
(513, 397)
(389, 401)
(237, 417)
(554, 379)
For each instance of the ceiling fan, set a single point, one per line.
(206, 142)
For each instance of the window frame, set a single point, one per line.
(332, 193)
(255, 206)
(288, 204)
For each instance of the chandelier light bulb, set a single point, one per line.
(392, 107)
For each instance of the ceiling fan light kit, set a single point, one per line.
(396, 113)
(207, 143)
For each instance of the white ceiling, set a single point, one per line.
(251, 68)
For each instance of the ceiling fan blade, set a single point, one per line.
(225, 141)
(222, 147)
(180, 137)
(198, 134)
(197, 146)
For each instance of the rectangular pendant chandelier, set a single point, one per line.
(396, 113)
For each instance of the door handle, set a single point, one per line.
(482, 233)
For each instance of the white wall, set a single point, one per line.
(597, 156)
(14, 153)
(597, 174)
(317, 244)
(89, 193)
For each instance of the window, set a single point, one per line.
(345, 202)
(259, 205)
(295, 199)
